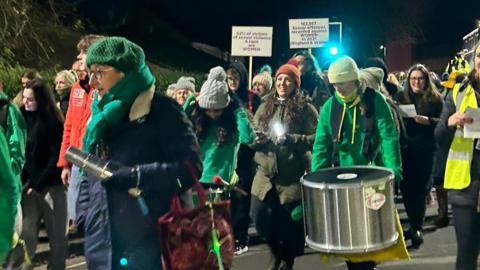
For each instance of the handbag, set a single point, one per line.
(200, 238)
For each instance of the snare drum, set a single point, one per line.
(349, 209)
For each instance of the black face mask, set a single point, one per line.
(63, 92)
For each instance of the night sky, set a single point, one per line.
(367, 23)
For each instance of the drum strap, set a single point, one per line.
(368, 116)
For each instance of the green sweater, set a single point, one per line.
(386, 136)
(9, 197)
(222, 160)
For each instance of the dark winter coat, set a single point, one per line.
(63, 102)
(440, 161)
(316, 89)
(247, 98)
(281, 166)
(418, 148)
(251, 101)
(115, 228)
(44, 136)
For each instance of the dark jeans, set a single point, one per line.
(415, 199)
(467, 230)
(240, 216)
(273, 221)
(240, 203)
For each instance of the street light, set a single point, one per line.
(333, 50)
(384, 50)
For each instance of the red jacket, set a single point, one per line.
(79, 110)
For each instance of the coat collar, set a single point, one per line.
(142, 104)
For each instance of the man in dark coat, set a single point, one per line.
(150, 138)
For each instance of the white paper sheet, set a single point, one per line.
(472, 130)
(408, 111)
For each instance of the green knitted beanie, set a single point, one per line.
(117, 52)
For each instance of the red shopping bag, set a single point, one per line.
(198, 238)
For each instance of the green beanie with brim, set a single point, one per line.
(115, 103)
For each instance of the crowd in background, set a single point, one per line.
(260, 140)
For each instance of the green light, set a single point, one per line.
(123, 261)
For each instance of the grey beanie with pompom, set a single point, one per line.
(214, 91)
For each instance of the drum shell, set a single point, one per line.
(339, 217)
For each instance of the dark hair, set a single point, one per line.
(309, 58)
(293, 112)
(87, 41)
(430, 94)
(44, 98)
(31, 74)
(227, 124)
(474, 76)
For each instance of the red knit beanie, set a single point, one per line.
(291, 70)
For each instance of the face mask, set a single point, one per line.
(62, 92)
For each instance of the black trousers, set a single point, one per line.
(467, 230)
(416, 184)
(241, 216)
(415, 199)
(273, 221)
(240, 203)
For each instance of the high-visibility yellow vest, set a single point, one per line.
(457, 171)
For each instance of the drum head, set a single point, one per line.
(347, 175)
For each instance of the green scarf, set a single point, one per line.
(114, 106)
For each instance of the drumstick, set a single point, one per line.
(218, 180)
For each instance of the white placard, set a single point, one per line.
(308, 33)
(472, 130)
(252, 41)
(408, 111)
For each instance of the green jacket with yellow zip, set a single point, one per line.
(350, 146)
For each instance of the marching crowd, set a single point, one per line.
(299, 119)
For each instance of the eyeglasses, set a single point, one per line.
(99, 72)
(418, 79)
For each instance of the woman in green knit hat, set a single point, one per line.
(151, 140)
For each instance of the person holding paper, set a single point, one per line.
(418, 146)
(462, 172)
(286, 128)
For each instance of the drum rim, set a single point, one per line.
(311, 184)
(323, 247)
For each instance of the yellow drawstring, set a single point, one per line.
(341, 122)
(354, 123)
(355, 98)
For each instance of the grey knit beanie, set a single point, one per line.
(185, 82)
(214, 91)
